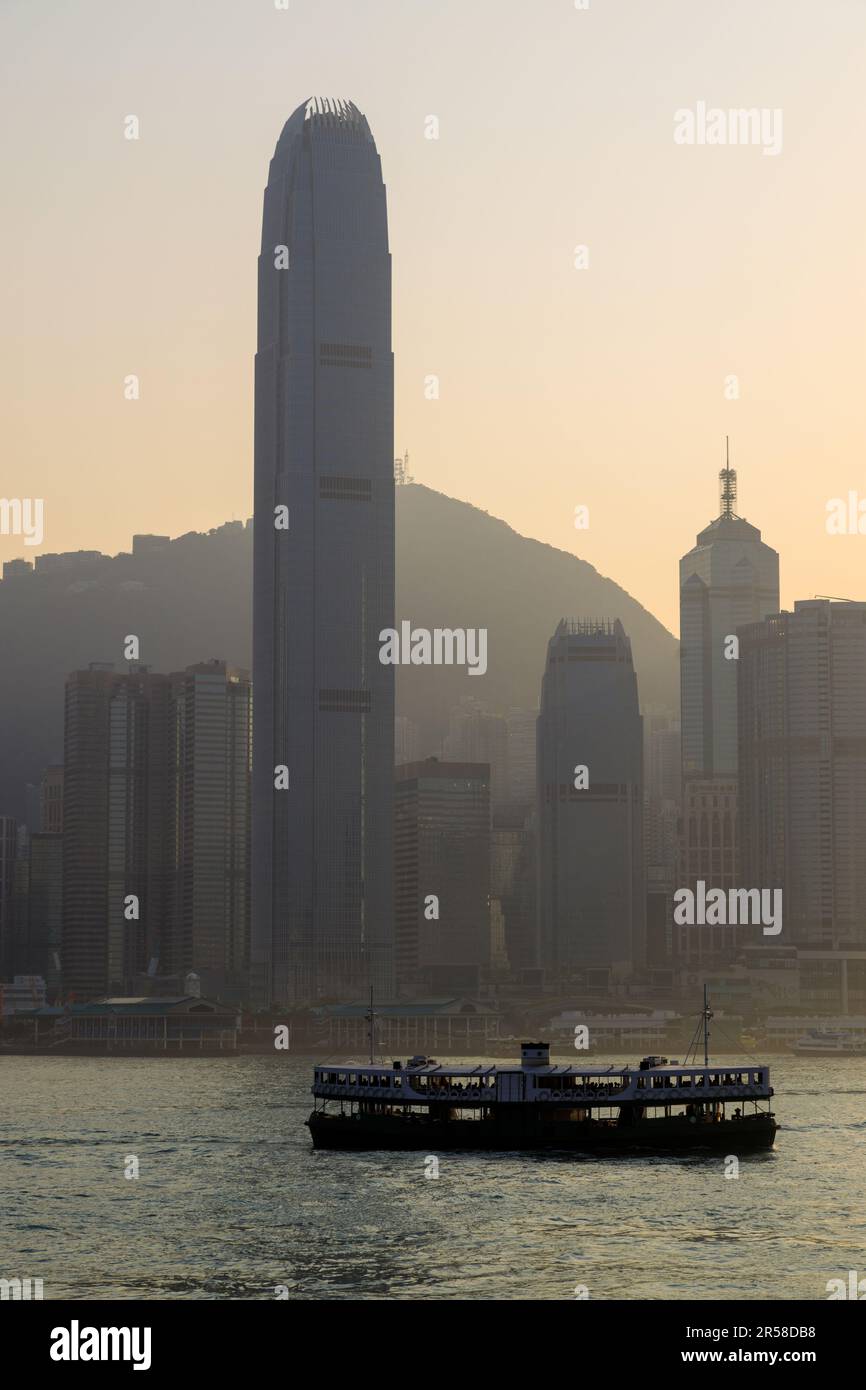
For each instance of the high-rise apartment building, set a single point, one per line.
(156, 824)
(116, 827)
(210, 917)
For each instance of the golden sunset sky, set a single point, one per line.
(603, 387)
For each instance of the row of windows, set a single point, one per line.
(345, 701)
(576, 1085)
(335, 488)
(345, 355)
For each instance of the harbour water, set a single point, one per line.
(231, 1202)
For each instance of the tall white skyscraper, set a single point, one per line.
(729, 578)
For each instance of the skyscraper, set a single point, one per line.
(116, 826)
(729, 578)
(41, 955)
(591, 898)
(324, 567)
(475, 735)
(661, 812)
(8, 859)
(51, 801)
(212, 719)
(156, 793)
(802, 773)
(442, 876)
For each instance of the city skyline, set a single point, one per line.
(388, 899)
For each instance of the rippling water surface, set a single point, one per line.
(232, 1202)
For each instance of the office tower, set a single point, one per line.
(475, 735)
(521, 756)
(42, 953)
(32, 805)
(116, 821)
(802, 769)
(212, 732)
(324, 567)
(728, 579)
(51, 801)
(406, 740)
(591, 896)
(662, 755)
(8, 859)
(662, 790)
(442, 876)
(513, 886)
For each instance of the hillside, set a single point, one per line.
(456, 567)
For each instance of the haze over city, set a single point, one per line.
(602, 387)
(392, 908)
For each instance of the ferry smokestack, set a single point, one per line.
(535, 1054)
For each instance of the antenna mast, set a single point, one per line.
(727, 487)
(707, 1016)
(401, 470)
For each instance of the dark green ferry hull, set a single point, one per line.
(507, 1131)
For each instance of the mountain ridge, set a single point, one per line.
(191, 600)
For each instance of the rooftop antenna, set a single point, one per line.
(401, 470)
(728, 487)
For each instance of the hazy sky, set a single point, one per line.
(603, 387)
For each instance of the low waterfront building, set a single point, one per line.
(26, 992)
(427, 1025)
(184, 1024)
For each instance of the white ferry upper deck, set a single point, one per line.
(654, 1081)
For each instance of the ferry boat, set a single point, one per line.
(655, 1107)
(824, 1043)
